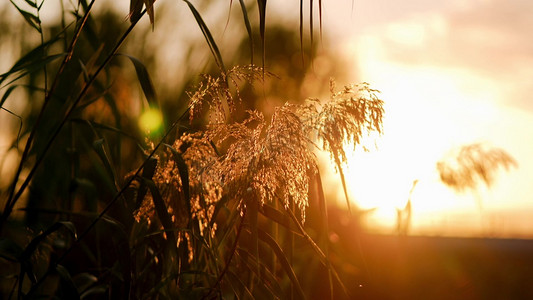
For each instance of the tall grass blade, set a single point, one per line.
(144, 79)
(252, 209)
(248, 30)
(279, 217)
(30, 18)
(97, 125)
(184, 176)
(282, 258)
(135, 10)
(268, 279)
(31, 3)
(149, 4)
(67, 286)
(323, 258)
(311, 21)
(325, 224)
(302, 30)
(343, 181)
(320, 17)
(147, 174)
(162, 213)
(32, 246)
(99, 148)
(29, 58)
(28, 67)
(9, 250)
(237, 279)
(208, 37)
(20, 123)
(6, 94)
(262, 20)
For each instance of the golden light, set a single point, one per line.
(429, 109)
(151, 121)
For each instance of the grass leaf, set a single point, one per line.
(208, 37)
(252, 208)
(279, 217)
(28, 64)
(184, 175)
(162, 213)
(237, 279)
(135, 10)
(268, 279)
(282, 258)
(325, 224)
(31, 19)
(311, 21)
(31, 3)
(262, 20)
(144, 79)
(248, 30)
(320, 16)
(99, 148)
(32, 246)
(150, 11)
(7, 93)
(302, 30)
(93, 124)
(9, 250)
(67, 286)
(148, 172)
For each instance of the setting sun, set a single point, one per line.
(439, 96)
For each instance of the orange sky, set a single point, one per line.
(450, 74)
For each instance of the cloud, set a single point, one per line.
(490, 41)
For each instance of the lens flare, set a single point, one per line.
(151, 120)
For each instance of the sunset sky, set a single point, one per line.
(450, 73)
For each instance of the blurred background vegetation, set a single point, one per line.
(67, 235)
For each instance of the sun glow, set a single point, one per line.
(428, 111)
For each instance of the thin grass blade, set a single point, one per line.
(31, 3)
(32, 246)
(252, 209)
(148, 173)
(93, 124)
(262, 20)
(325, 224)
(282, 258)
(323, 258)
(144, 79)
(237, 279)
(149, 4)
(9, 250)
(162, 213)
(320, 17)
(67, 286)
(208, 37)
(30, 18)
(302, 30)
(267, 278)
(279, 217)
(311, 21)
(28, 68)
(99, 148)
(184, 175)
(248, 30)
(135, 10)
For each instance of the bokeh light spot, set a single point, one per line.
(151, 120)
